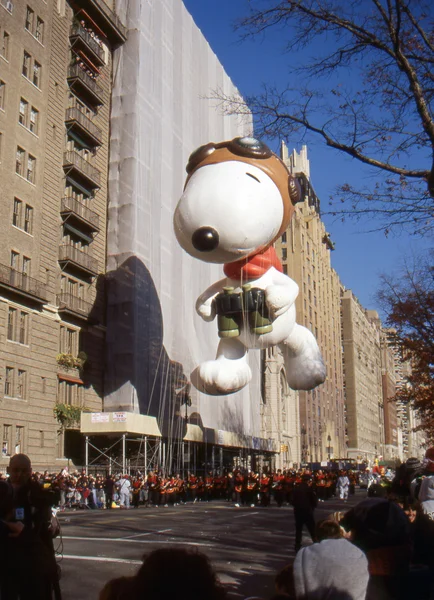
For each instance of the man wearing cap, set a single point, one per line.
(29, 570)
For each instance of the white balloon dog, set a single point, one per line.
(238, 199)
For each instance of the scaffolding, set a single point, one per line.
(130, 443)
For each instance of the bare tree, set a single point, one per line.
(408, 301)
(368, 95)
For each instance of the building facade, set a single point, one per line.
(363, 381)
(55, 88)
(304, 250)
(280, 411)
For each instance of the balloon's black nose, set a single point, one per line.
(205, 239)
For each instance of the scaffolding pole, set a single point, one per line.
(87, 454)
(123, 455)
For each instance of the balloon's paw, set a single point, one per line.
(221, 377)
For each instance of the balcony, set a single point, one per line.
(104, 18)
(83, 126)
(76, 210)
(82, 40)
(22, 284)
(70, 304)
(84, 86)
(81, 168)
(78, 260)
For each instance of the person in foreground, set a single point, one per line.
(326, 570)
(160, 568)
(28, 569)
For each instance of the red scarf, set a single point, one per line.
(253, 267)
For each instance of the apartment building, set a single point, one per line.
(305, 252)
(55, 87)
(363, 380)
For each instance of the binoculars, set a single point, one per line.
(237, 308)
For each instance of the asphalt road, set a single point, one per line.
(247, 546)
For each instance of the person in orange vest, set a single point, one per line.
(192, 487)
(238, 488)
(278, 480)
(265, 487)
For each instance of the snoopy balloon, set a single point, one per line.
(238, 199)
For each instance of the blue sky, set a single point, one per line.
(359, 257)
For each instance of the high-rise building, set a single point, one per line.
(304, 250)
(55, 88)
(363, 380)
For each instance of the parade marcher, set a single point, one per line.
(137, 485)
(153, 493)
(278, 491)
(252, 488)
(304, 501)
(124, 487)
(343, 486)
(265, 487)
(192, 487)
(109, 488)
(238, 488)
(28, 569)
(162, 486)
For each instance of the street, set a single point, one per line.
(247, 546)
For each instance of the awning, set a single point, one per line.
(70, 378)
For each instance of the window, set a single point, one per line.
(24, 112)
(28, 118)
(19, 439)
(284, 237)
(9, 381)
(28, 219)
(39, 30)
(6, 439)
(15, 257)
(26, 64)
(34, 25)
(12, 316)
(68, 340)
(21, 384)
(31, 165)
(24, 319)
(4, 49)
(30, 18)
(28, 172)
(26, 265)
(31, 69)
(34, 120)
(19, 164)
(16, 216)
(285, 269)
(284, 253)
(2, 94)
(70, 393)
(18, 326)
(36, 74)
